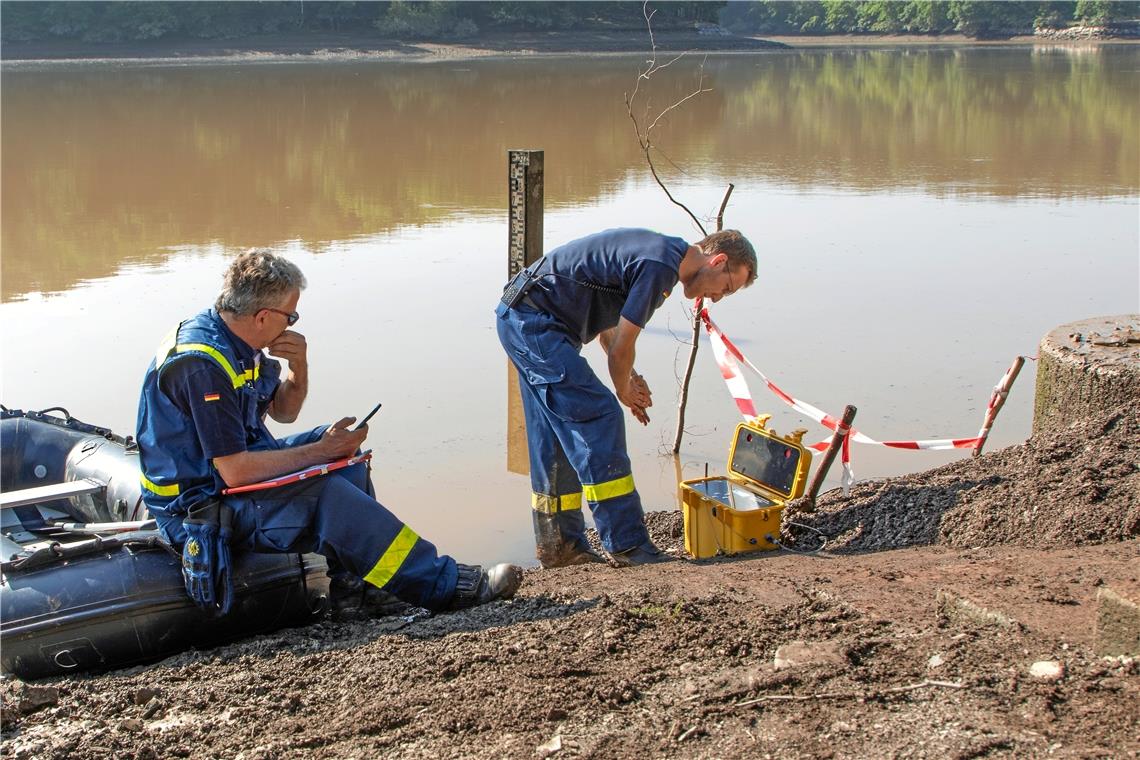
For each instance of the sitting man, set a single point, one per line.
(201, 428)
(607, 286)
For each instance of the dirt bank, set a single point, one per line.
(935, 650)
(351, 47)
(283, 47)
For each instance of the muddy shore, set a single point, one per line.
(954, 613)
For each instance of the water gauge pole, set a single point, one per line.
(524, 247)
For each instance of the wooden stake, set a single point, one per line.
(807, 503)
(997, 401)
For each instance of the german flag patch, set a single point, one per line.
(211, 397)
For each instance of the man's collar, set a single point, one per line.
(244, 351)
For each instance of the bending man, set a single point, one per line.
(201, 428)
(607, 286)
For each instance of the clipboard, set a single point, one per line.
(295, 477)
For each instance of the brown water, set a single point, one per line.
(922, 216)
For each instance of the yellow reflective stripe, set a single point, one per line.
(541, 502)
(237, 379)
(170, 345)
(611, 489)
(153, 487)
(166, 346)
(393, 557)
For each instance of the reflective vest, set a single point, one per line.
(176, 474)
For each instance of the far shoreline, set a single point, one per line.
(362, 48)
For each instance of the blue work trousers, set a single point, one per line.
(575, 433)
(335, 515)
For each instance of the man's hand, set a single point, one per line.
(247, 467)
(290, 396)
(339, 442)
(291, 346)
(639, 389)
(637, 396)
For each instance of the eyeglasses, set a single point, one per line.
(732, 287)
(290, 316)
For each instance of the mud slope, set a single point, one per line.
(914, 635)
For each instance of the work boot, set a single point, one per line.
(476, 586)
(560, 539)
(643, 554)
(566, 555)
(351, 597)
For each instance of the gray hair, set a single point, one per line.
(256, 280)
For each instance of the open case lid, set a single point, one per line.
(762, 456)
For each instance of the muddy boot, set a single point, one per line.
(560, 539)
(643, 554)
(352, 598)
(476, 586)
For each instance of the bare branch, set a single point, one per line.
(643, 130)
(700, 89)
(678, 57)
(672, 163)
(684, 400)
(723, 203)
(644, 135)
(857, 695)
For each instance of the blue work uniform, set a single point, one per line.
(205, 395)
(575, 425)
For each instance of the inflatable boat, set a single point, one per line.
(87, 582)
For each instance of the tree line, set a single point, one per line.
(128, 20)
(975, 18)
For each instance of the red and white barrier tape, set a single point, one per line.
(728, 358)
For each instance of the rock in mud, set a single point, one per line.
(1047, 670)
(800, 653)
(32, 698)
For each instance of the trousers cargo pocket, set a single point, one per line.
(285, 519)
(579, 396)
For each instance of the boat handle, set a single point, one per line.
(71, 663)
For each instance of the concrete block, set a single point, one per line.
(1117, 622)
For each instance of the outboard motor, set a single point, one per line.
(116, 465)
(40, 449)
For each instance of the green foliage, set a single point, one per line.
(879, 16)
(887, 16)
(127, 20)
(980, 18)
(1054, 15)
(1101, 12)
(839, 15)
(434, 18)
(928, 17)
(133, 20)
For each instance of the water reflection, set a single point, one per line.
(103, 167)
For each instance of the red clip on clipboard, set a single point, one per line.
(295, 477)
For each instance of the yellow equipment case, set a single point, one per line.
(741, 512)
